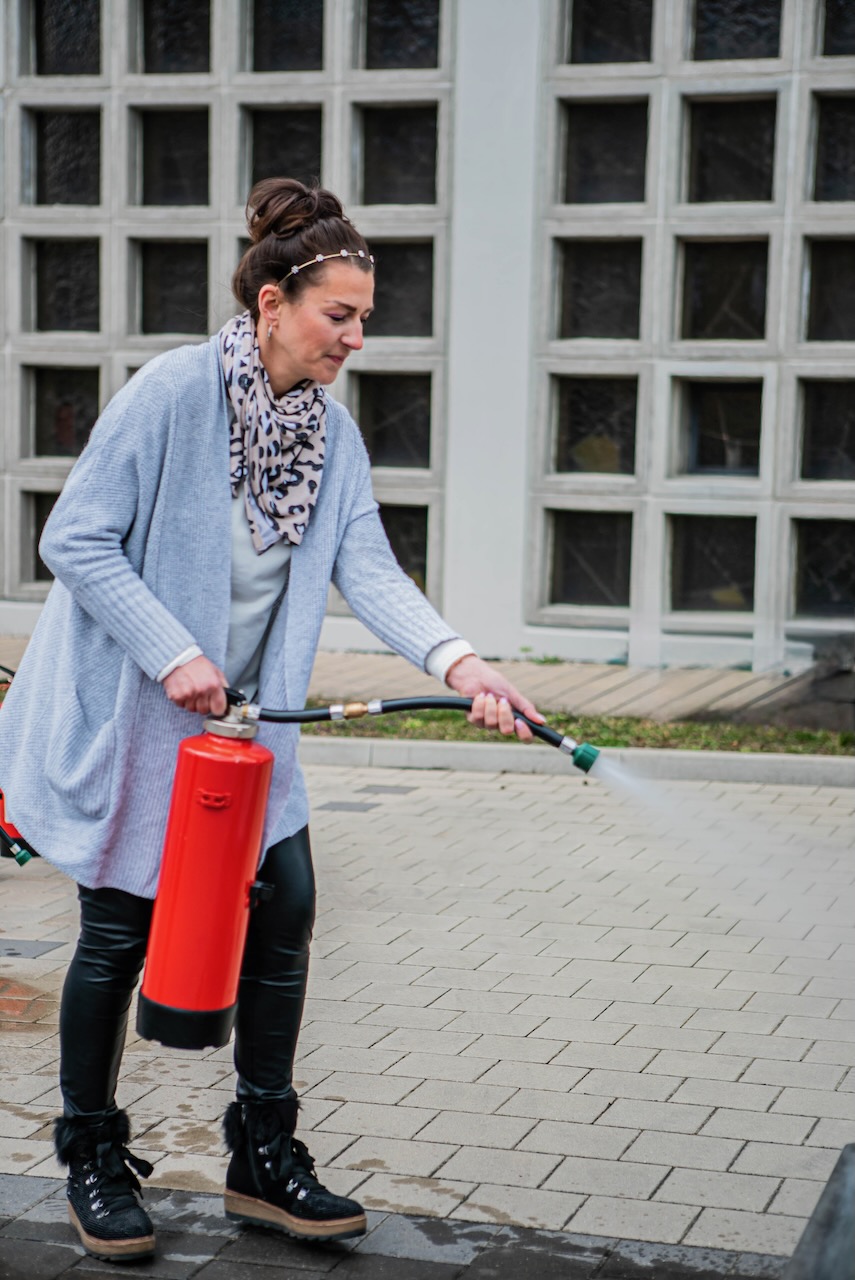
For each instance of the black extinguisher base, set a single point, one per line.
(184, 1028)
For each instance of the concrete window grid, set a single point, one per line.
(647, 631)
(228, 91)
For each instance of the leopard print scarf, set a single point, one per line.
(277, 443)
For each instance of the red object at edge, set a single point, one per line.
(5, 825)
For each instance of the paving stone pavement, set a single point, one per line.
(535, 1003)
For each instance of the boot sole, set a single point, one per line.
(240, 1208)
(112, 1250)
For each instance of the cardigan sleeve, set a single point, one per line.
(375, 586)
(83, 539)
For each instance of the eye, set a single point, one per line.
(337, 318)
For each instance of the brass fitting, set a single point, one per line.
(353, 710)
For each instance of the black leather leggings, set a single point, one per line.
(110, 952)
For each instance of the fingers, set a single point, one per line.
(492, 712)
(218, 703)
(523, 704)
(197, 686)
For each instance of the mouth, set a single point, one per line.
(338, 361)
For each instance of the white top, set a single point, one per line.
(258, 583)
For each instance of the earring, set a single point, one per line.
(269, 332)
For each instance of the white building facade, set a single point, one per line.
(609, 392)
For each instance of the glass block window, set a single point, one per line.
(174, 157)
(68, 156)
(838, 37)
(831, 309)
(712, 563)
(610, 30)
(724, 289)
(407, 531)
(65, 407)
(721, 424)
(606, 151)
(286, 143)
(403, 289)
(399, 155)
(828, 430)
(394, 417)
(835, 149)
(731, 149)
(173, 286)
(737, 29)
(825, 568)
(287, 35)
(176, 35)
(401, 33)
(595, 427)
(67, 284)
(37, 508)
(591, 557)
(67, 37)
(600, 289)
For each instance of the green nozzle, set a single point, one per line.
(20, 855)
(584, 756)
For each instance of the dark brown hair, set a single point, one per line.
(289, 224)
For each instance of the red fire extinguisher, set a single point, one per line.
(207, 887)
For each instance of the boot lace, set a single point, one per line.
(288, 1156)
(111, 1185)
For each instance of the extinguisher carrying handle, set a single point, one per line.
(354, 710)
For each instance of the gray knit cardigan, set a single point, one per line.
(140, 545)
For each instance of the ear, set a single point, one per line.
(269, 302)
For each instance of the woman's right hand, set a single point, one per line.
(197, 686)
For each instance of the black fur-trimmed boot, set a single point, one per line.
(271, 1176)
(104, 1196)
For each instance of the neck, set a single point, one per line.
(280, 371)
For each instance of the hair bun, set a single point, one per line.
(283, 207)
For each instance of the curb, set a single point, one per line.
(497, 757)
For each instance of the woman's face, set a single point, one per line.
(313, 336)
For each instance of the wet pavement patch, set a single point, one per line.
(347, 806)
(194, 1239)
(377, 790)
(25, 948)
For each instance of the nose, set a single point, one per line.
(353, 337)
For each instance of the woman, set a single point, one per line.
(193, 546)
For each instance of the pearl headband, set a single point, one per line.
(325, 257)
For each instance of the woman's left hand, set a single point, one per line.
(494, 698)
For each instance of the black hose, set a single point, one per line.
(541, 731)
(386, 707)
(7, 671)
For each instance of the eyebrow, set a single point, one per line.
(345, 306)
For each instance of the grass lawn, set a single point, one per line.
(603, 731)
